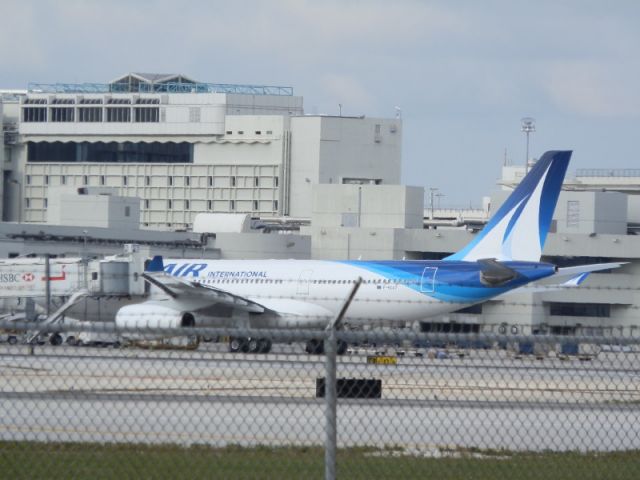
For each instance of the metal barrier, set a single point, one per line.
(447, 406)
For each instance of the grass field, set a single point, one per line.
(27, 460)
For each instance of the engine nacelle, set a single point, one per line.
(144, 316)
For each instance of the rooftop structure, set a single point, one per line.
(158, 83)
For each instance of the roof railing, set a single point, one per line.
(608, 172)
(169, 87)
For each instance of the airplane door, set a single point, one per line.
(427, 284)
(303, 282)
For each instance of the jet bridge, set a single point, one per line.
(43, 277)
(79, 288)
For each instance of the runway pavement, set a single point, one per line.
(488, 399)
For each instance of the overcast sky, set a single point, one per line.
(463, 73)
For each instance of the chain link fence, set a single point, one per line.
(406, 405)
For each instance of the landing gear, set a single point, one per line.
(236, 344)
(253, 345)
(55, 339)
(316, 347)
(264, 345)
(249, 345)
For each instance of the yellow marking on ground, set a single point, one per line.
(382, 359)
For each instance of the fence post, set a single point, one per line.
(331, 404)
(330, 394)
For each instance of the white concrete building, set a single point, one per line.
(341, 150)
(186, 148)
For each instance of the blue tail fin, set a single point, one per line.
(155, 265)
(519, 228)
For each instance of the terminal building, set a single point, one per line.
(159, 160)
(184, 147)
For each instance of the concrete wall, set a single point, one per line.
(583, 212)
(368, 206)
(263, 246)
(355, 243)
(103, 211)
(305, 163)
(150, 183)
(335, 150)
(591, 212)
(286, 105)
(633, 209)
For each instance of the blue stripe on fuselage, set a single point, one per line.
(454, 281)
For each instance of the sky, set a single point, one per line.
(462, 73)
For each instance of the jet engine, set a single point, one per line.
(144, 316)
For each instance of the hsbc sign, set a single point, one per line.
(9, 277)
(17, 277)
(29, 278)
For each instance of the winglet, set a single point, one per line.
(577, 280)
(155, 265)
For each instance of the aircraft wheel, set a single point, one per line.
(264, 345)
(342, 347)
(55, 339)
(310, 346)
(71, 340)
(12, 340)
(235, 344)
(253, 345)
(315, 347)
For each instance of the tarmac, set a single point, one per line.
(486, 399)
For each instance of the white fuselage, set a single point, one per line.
(313, 291)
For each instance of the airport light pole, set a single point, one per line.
(433, 191)
(528, 125)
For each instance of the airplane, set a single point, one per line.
(504, 257)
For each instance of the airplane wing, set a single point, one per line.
(205, 296)
(177, 288)
(180, 288)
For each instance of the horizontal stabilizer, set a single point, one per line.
(567, 277)
(594, 267)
